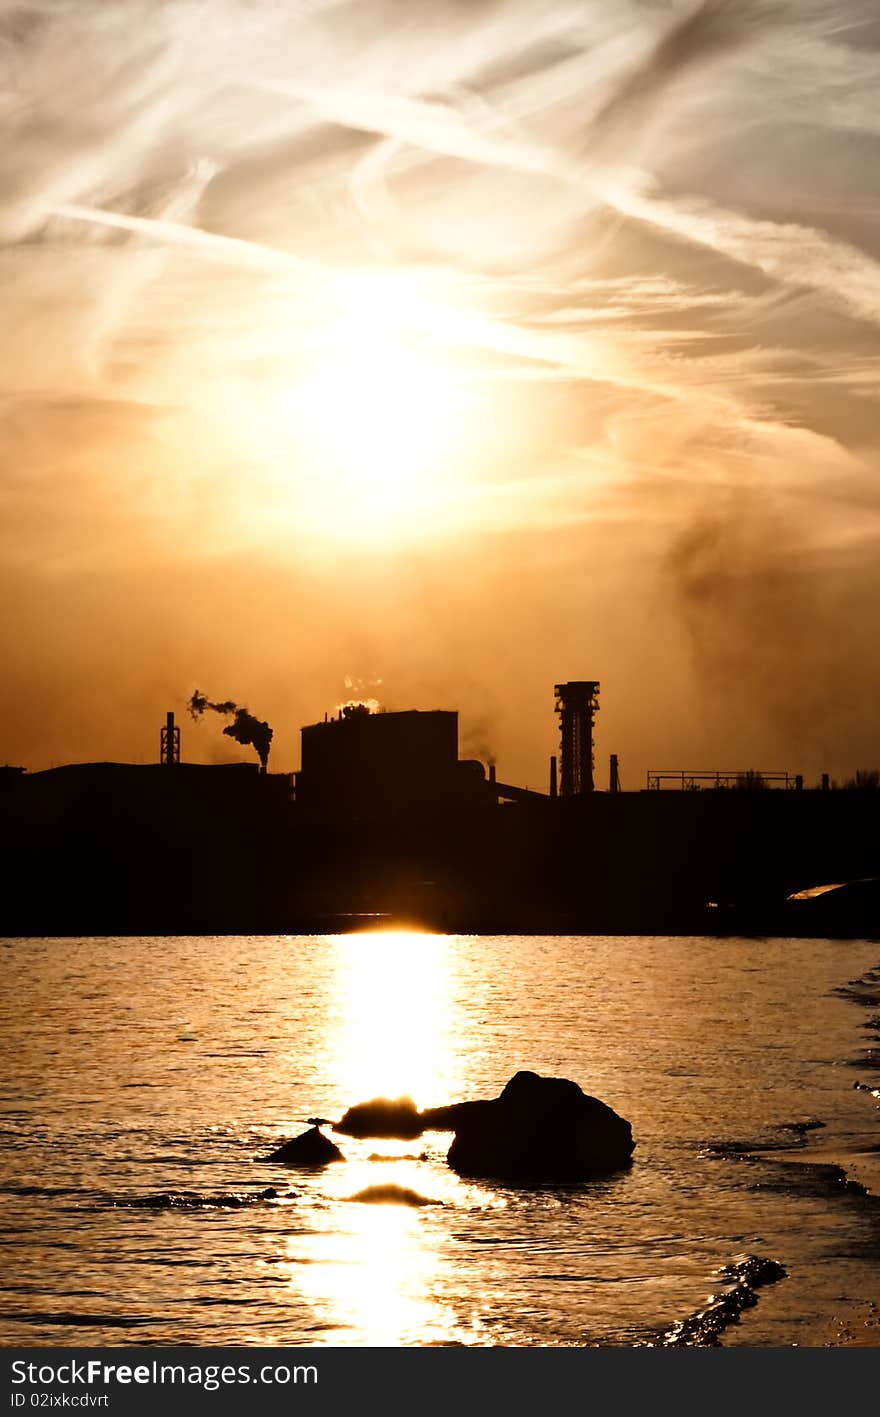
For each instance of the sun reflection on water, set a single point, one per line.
(372, 1273)
(369, 1276)
(395, 1023)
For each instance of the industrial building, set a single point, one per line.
(364, 763)
(385, 821)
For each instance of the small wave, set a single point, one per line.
(391, 1195)
(808, 1178)
(704, 1328)
(737, 1150)
(81, 1320)
(863, 990)
(785, 1136)
(241, 1053)
(788, 1174)
(192, 1200)
(41, 1190)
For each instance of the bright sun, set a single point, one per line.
(377, 421)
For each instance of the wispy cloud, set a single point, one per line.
(785, 251)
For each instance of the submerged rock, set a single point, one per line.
(383, 1117)
(311, 1148)
(391, 1194)
(538, 1129)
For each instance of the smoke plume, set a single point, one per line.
(475, 739)
(245, 728)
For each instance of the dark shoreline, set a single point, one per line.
(108, 849)
(311, 928)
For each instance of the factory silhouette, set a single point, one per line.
(385, 824)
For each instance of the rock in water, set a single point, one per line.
(383, 1117)
(538, 1129)
(391, 1194)
(311, 1148)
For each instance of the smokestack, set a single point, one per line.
(553, 775)
(799, 783)
(577, 704)
(614, 774)
(491, 772)
(826, 782)
(169, 742)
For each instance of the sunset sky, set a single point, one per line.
(435, 351)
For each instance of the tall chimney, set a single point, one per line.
(614, 774)
(169, 742)
(553, 775)
(491, 772)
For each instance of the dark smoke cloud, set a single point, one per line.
(763, 622)
(245, 728)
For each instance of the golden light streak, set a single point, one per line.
(370, 1273)
(397, 1023)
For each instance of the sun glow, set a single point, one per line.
(377, 422)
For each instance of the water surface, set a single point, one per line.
(144, 1078)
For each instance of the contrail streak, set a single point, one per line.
(246, 253)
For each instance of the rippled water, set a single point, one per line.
(144, 1078)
